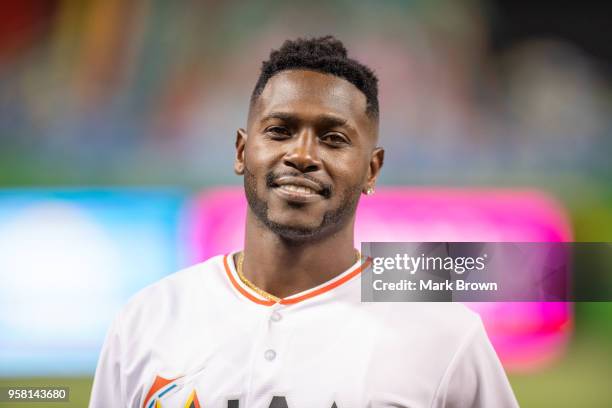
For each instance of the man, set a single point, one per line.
(280, 324)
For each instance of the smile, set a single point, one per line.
(299, 189)
(290, 188)
(297, 193)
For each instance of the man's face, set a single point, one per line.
(308, 153)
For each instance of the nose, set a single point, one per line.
(302, 154)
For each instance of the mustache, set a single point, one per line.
(271, 177)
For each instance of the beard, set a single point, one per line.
(333, 220)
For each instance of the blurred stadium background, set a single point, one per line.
(124, 109)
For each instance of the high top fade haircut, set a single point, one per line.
(326, 55)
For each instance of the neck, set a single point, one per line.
(284, 268)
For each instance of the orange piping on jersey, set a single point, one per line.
(158, 384)
(241, 289)
(290, 301)
(330, 286)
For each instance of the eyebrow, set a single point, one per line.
(325, 120)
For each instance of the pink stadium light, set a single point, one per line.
(526, 336)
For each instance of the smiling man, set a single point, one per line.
(280, 324)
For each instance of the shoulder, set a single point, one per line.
(423, 342)
(425, 336)
(432, 322)
(474, 375)
(186, 288)
(181, 283)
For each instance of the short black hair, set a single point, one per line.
(323, 54)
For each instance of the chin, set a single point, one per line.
(300, 217)
(301, 228)
(298, 232)
(294, 234)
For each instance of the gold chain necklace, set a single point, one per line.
(250, 284)
(259, 291)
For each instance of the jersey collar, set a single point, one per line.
(244, 290)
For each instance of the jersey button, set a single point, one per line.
(270, 355)
(276, 317)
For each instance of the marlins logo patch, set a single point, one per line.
(162, 386)
(192, 401)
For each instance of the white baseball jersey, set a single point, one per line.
(201, 338)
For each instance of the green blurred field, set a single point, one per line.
(582, 379)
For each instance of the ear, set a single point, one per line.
(376, 162)
(241, 138)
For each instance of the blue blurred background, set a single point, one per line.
(143, 98)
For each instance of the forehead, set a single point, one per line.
(309, 93)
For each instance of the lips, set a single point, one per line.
(291, 188)
(298, 189)
(298, 185)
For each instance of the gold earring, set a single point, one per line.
(369, 191)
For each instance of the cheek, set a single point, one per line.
(349, 175)
(259, 160)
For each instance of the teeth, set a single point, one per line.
(297, 189)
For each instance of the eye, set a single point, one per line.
(335, 139)
(278, 132)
